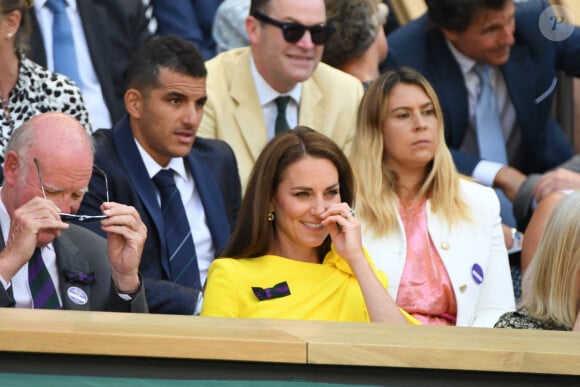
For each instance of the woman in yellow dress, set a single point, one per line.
(296, 251)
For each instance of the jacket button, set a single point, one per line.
(444, 246)
(463, 288)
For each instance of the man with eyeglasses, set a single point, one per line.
(46, 262)
(278, 82)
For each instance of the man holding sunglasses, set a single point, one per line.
(186, 189)
(45, 262)
(278, 82)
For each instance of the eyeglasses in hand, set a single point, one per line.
(293, 32)
(77, 217)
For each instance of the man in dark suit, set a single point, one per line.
(45, 262)
(164, 101)
(454, 35)
(190, 19)
(111, 31)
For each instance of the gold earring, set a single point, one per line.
(271, 216)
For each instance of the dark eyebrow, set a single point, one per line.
(175, 94)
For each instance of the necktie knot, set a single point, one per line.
(56, 6)
(164, 178)
(483, 71)
(282, 102)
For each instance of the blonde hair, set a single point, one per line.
(377, 200)
(549, 285)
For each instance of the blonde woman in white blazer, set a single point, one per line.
(437, 236)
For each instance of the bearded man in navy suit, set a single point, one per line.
(164, 100)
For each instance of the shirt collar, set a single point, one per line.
(266, 93)
(465, 63)
(176, 163)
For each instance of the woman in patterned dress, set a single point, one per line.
(26, 88)
(551, 284)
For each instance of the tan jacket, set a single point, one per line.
(329, 104)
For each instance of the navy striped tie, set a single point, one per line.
(180, 248)
(41, 287)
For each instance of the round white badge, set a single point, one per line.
(77, 295)
(556, 23)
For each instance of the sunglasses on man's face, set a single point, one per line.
(76, 217)
(293, 32)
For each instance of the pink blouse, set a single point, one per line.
(425, 290)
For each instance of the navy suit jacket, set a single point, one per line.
(530, 74)
(214, 169)
(190, 19)
(114, 30)
(81, 251)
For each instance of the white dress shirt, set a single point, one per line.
(91, 87)
(194, 210)
(267, 97)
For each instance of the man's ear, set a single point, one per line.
(11, 168)
(253, 29)
(134, 102)
(450, 35)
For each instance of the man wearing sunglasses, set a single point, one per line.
(287, 39)
(46, 262)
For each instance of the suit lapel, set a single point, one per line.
(131, 160)
(450, 88)
(210, 195)
(67, 258)
(248, 112)
(518, 75)
(94, 21)
(309, 109)
(37, 52)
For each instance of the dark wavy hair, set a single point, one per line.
(457, 15)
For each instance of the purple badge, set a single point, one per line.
(477, 273)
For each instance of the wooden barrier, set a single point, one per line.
(193, 348)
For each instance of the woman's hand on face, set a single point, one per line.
(345, 231)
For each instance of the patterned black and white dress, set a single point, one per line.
(521, 319)
(39, 90)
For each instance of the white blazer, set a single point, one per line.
(474, 255)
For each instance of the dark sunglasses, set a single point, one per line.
(293, 32)
(76, 217)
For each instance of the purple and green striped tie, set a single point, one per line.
(41, 286)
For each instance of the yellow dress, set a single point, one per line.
(311, 291)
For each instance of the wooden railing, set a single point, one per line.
(70, 342)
